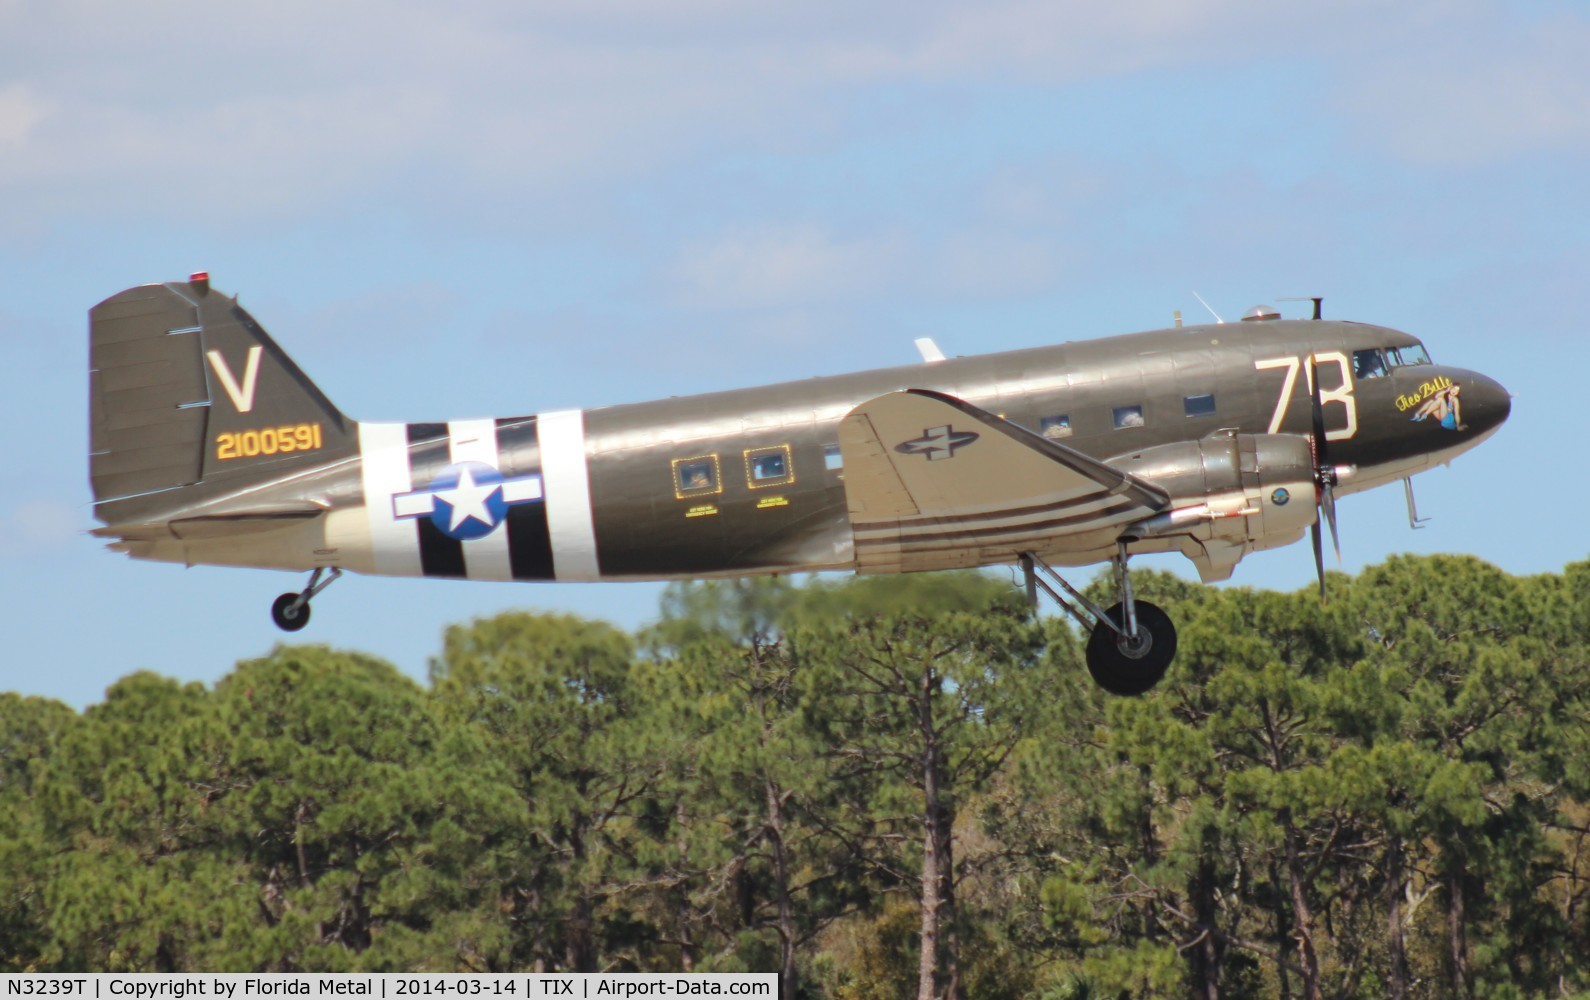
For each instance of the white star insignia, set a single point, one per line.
(468, 499)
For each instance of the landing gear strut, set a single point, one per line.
(1130, 644)
(290, 612)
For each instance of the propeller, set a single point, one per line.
(1325, 479)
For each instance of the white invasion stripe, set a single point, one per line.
(519, 490)
(384, 471)
(485, 558)
(567, 482)
(407, 505)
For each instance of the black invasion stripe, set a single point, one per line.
(529, 539)
(439, 555)
(909, 542)
(420, 433)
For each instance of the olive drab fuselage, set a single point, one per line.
(211, 446)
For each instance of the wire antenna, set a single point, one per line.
(1209, 307)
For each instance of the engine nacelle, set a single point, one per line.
(1249, 491)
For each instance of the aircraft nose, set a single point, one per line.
(1486, 404)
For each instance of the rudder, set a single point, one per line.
(187, 390)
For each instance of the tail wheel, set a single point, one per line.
(287, 617)
(1132, 666)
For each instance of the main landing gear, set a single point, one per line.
(290, 612)
(1130, 644)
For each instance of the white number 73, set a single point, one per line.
(1342, 394)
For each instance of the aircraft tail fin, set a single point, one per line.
(187, 390)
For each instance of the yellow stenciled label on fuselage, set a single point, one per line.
(267, 441)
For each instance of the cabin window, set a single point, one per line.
(1129, 416)
(698, 476)
(1414, 354)
(833, 459)
(1056, 427)
(1199, 406)
(768, 466)
(1370, 363)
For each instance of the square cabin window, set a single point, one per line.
(833, 458)
(768, 466)
(1199, 406)
(1128, 416)
(694, 477)
(1056, 427)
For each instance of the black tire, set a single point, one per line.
(1121, 669)
(285, 617)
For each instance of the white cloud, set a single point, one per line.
(39, 526)
(782, 265)
(20, 113)
(248, 112)
(997, 264)
(1481, 95)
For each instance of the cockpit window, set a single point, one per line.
(1370, 363)
(1413, 354)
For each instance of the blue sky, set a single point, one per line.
(492, 208)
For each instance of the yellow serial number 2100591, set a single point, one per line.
(270, 441)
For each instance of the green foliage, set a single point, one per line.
(554, 700)
(30, 731)
(1385, 796)
(736, 610)
(918, 596)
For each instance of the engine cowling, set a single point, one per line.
(1249, 491)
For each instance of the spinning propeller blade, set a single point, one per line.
(1328, 506)
(1324, 479)
(1319, 557)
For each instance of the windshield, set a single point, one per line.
(1414, 354)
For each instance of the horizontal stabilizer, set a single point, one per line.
(220, 525)
(232, 525)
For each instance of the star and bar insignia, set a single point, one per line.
(937, 442)
(467, 500)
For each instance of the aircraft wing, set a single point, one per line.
(935, 482)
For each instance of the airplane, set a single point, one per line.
(210, 446)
